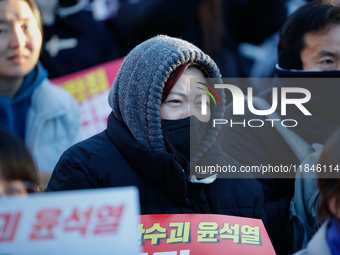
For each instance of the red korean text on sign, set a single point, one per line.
(46, 220)
(8, 226)
(108, 219)
(78, 220)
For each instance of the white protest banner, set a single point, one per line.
(100, 221)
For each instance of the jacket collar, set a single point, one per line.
(294, 73)
(323, 105)
(31, 82)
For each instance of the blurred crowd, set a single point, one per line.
(164, 43)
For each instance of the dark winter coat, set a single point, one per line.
(113, 158)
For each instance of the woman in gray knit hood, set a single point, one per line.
(146, 141)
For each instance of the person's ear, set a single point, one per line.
(334, 205)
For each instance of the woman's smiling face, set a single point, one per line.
(20, 39)
(181, 102)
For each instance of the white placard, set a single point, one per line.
(97, 221)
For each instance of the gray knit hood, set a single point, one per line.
(136, 94)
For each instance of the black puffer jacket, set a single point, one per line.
(113, 158)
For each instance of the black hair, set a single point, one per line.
(313, 17)
(16, 163)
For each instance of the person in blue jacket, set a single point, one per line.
(44, 115)
(147, 140)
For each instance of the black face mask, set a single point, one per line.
(179, 131)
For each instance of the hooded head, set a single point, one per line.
(136, 94)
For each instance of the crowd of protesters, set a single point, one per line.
(147, 142)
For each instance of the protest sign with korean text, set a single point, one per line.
(193, 234)
(101, 221)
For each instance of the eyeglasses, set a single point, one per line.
(8, 188)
